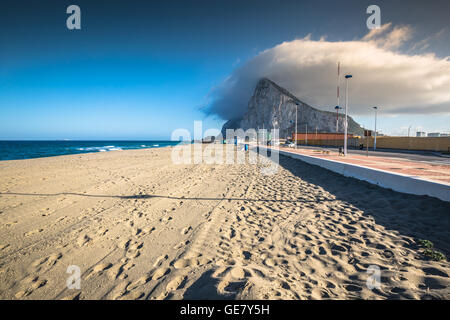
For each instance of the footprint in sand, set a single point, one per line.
(238, 273)
(30, 233)
(435, 272)
(165, 219)
(139, 214)
(83, 240)
(124, 244)
(228, 288)
(49, 261)
(102, 231)
(22, 293)
(175, 283)
(181, 244)
(75, 296)
(160, 259)
(99, 269)
(148, 230)
(33, 283)
(116, 272)
(60, 219)
(120, 290)
(139, 282)
(128, 265)
(134, 295)
(133, 250)
(159, 273)
(186, 230)
(184, 263)
(9, 224)
(270, 262)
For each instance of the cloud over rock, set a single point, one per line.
(382, 76)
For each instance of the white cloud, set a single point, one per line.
(397, 83)
(388, 38)
(425, 43)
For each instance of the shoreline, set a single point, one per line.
(89, 149)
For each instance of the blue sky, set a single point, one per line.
(140, 69)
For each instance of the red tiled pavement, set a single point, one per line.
(428, 171)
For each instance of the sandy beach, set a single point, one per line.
(140, 227)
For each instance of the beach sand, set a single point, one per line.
(140, 227)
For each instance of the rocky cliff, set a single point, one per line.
(274, 107)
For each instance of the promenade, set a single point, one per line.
(417, 169)
(431, 178)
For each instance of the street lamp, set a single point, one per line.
(296, 109)
(306, 131)
(306, 137)
(375, 141)
(337, 108)
(347, 76)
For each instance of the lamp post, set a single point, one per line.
(375, 141)
(306, 137)
(306, 131)
(347, 76)
(337, 108)
(296, 109)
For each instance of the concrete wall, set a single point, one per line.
(321, 136)
(403, 143)
(352, 142)
(410, 143)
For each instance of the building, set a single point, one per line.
(434, 134)
(421, 134)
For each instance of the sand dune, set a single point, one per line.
(140, 227)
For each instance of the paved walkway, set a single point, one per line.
(427, 171)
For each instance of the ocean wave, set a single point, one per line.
(22, 150)
(100, 149)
